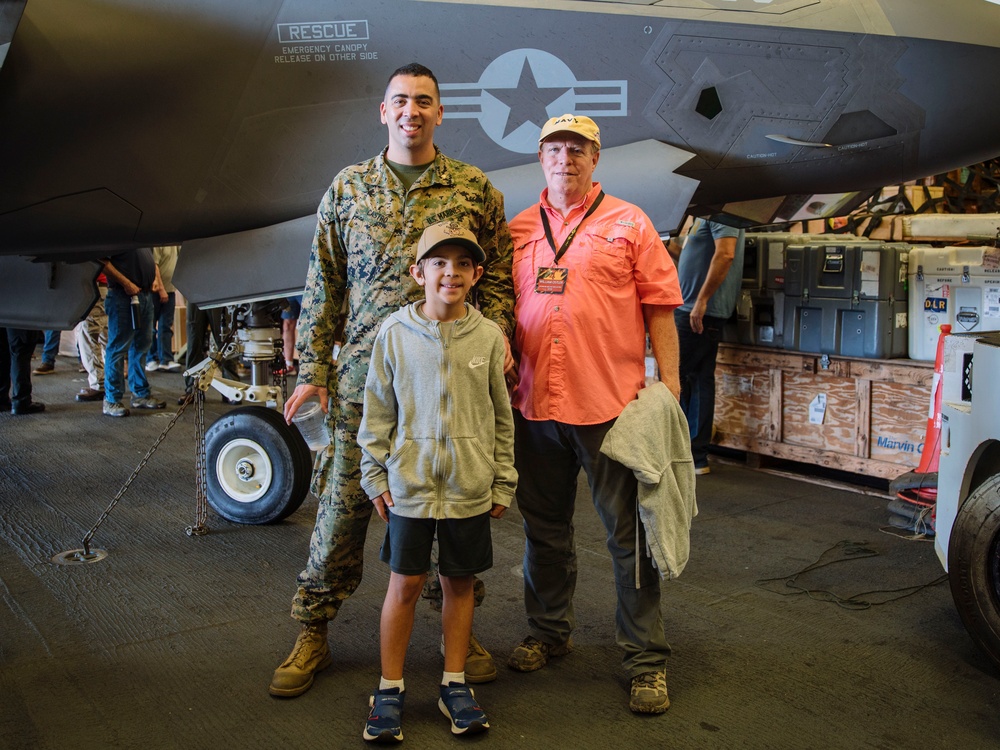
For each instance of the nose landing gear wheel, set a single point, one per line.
(258, 467)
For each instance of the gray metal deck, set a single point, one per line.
(171, 640)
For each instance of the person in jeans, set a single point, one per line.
(132, 278)
(710, 269)
(50, 348)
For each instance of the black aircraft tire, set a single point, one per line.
(974, 566)
(258, 468)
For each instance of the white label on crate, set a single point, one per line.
(870, 262)
(817, 409)
(776, 256)
(991, 302)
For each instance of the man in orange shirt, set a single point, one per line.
(591, 276)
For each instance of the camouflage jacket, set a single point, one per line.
(367, 228)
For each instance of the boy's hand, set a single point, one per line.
(382, 504)
(496, 511)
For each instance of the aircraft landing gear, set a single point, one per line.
(258, 467)
(974, 566)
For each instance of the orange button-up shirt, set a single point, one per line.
(582, 353)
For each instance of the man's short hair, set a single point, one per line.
(416, 70)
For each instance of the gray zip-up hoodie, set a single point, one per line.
(437, 430)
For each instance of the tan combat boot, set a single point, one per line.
(479, 666)
(310, 655)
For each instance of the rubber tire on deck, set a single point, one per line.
(272, 455)
(974, 566)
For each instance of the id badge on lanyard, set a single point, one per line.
(552, 279)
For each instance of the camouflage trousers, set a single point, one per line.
(336, 549)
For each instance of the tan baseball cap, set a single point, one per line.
(449, 233)
(579, 124)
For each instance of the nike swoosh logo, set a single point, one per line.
(477, 362)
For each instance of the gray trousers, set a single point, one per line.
(548, 456)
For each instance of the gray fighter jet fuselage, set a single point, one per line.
(219, 124)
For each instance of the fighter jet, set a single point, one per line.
(218, 124)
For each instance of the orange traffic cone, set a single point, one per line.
(920, 485)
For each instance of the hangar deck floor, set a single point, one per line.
(170, 641)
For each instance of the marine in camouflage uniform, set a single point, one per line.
(368, 224)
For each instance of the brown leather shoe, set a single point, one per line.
(44, 369)
(89, 394)
(310, 654)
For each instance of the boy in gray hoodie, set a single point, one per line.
(437, 440)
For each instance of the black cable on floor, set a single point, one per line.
(851, 551)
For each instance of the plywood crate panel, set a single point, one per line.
(873, 422)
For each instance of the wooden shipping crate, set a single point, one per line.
(865, 416)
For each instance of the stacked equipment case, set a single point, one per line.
(846, 297)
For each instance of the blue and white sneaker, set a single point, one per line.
(458, 703)
(385, 719)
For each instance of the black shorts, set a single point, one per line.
(465, 546)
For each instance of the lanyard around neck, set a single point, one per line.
(569, 238)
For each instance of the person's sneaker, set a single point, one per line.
(170, 366)
(310, 654)
(458, 703)
(46, 368)
(649, 693)
(89, 394)
(152, 365)
(115, 409)
(32, 407)
(385, 720)
(702, 470)
(148, 402)
(532, 654)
